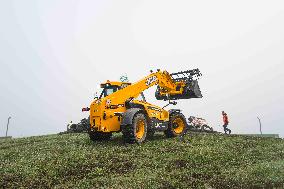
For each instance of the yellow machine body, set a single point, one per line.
(107, 111)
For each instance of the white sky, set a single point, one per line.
(53, 54)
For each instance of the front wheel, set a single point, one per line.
(137, 131)
(177, 125)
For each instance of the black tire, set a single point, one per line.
(206, 128)
(150, 133)
(174, 127)
(209, 129)
(132, 133)
(99, 136)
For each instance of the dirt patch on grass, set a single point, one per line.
(80, 171)
(10, 180)
(120, 166)
(166, 185)
(180, 163)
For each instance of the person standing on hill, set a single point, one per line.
(226, 122)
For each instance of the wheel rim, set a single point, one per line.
(140, 129)
(178, 125)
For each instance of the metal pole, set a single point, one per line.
(259, 125)
(8, 126)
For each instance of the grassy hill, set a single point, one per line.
(200, 161)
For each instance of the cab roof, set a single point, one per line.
(114, 83)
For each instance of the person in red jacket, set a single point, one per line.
(226, 122)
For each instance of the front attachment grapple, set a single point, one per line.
(189, 90)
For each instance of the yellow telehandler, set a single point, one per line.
(121, 107)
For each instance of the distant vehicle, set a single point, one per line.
(81, 127)
(199, 124)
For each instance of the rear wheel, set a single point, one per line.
(137, 131)
(99, 136)
(177, 125)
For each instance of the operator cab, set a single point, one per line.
(110, 87)
(108, 90)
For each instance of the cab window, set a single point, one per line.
(108, 90)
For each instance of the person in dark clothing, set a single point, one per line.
(226, 122)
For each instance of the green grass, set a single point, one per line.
(201, 161)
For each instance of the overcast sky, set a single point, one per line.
(53, 55)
